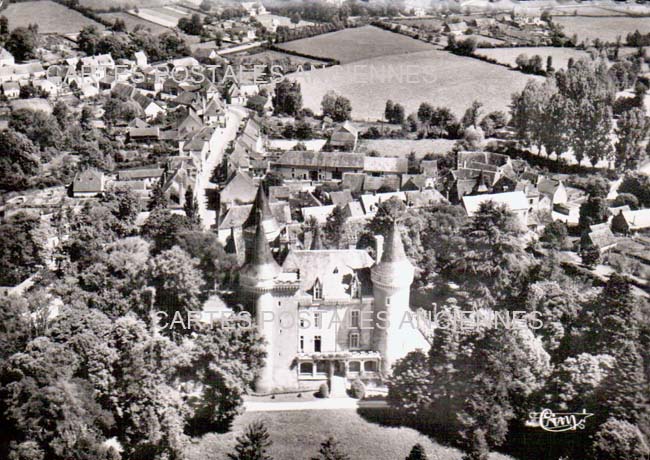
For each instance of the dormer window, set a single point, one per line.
(318, 290)
(355, 288)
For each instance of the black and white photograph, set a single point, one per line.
(325, 230)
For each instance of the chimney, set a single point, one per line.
(379, 247)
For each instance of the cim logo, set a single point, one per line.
(548, 420)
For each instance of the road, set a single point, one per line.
(234, 117)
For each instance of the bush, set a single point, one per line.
(323, 391)
(358, 389)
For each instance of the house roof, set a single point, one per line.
(341, 198)
(320, 213)
(144, 173)
(236, 216)
(516, 201)
(385, 165)
(303, 158)
(637, 220)
(239, 188)
(601, 236)
(89, 181)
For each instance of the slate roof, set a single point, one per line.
(334, 269)
(516, 201)
(386, 165)
(307, 159)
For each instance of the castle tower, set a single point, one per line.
(395, 330)
(257, 280)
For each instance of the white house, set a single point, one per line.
(515, 201)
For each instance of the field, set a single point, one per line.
(350, 45)
(166, 16)
(102, 5)
(133, 21)
(298, 434)
(606, 29)
(425, 23)
(508, 56)
(402, 148)
(49, 16)
(437, 77)
(271, 55)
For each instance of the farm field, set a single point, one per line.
(133, 21)
(350, 45)
(276, 55)
(49, 16)
(483, 39)
(428, 23)
(508, 56)
(290, 434)
(437, 77)
(606, 29)
(102, 5)
(402, 147)
(166, 16)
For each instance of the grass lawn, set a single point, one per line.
(132, 21)
(607, 29)
(435, 76)
(49, 16)
(350, 45)
(508, 56)
(298, 434)
(277, 55)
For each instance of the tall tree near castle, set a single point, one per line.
(253, 444)
(191, 207)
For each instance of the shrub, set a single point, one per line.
(358, 389)
(323, 391)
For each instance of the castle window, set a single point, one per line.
(354, 318)
(387, 301)
(370, 366)
(317, 344)
(354, 340)
(302, 343)
(318, 319)
(354, 366)
(355, 288)
(318, 290)
(307, 368)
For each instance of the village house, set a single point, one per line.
(88, 183)
(6, 58)
(599, 236)
(628, 222)
(11, 89)
(515, 201)
(344, 138)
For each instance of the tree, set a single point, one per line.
(493, 122)
(491, 262)
(224, 363)
(21, 252)
(330, 449)
(253, 444)
(556, 235)
(593, 211)
(158, 199)
(335, 106)
(590, 255)
(19, 163)
(638, 185)
(626, 199)
(215, 264)
(388, 111)
(178, 283)
(619, 439)
(472, 114)
(191, 26)
(287, 98)
(87, 40)
(119, 25)
(21, 43)
(162, 228)
(334, 227)
(631, 130)
(4, 26)
(417, 453)
(191, 207)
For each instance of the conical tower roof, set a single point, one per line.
(393, 246)
(261, 213)
(261, 265)
(394, 269)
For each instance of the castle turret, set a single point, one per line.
(395, 333)
(257, 280)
